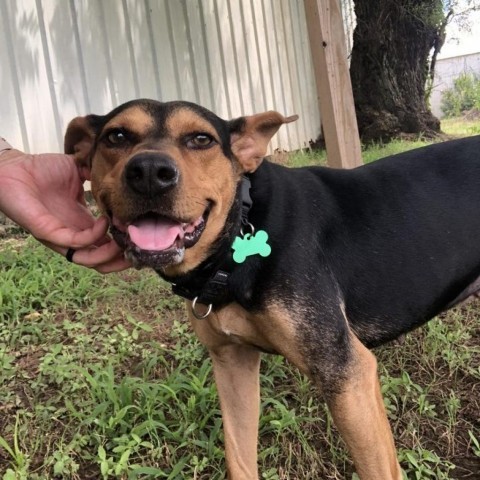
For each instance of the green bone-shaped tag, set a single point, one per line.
(251, 245)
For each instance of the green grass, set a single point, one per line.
(452, 127)
(378, 151)
(459, 127)
(101, 378)
(307, 157)
(370, 154)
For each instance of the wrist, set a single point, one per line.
(4, 146)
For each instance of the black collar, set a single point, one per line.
(214, 291)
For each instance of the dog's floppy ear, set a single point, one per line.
(80, 139)
(249, 137)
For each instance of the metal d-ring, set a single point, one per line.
(252, 229)
(196, 314)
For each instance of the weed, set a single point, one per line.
(420, 464)
(475, 443)
(19, 461)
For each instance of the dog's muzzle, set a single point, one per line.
(156, 241)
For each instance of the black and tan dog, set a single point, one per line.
(354, 258)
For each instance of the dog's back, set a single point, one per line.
(400, 237)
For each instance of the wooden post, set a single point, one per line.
(334, 88)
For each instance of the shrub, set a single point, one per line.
(464, 96)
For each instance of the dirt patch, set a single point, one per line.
(9, 229)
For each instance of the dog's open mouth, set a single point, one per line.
(156, 241)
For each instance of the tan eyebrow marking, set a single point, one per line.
(135, 119)
(186, 121)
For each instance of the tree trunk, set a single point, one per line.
(389, 66)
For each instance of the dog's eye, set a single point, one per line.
(200, 140)
(116, 137)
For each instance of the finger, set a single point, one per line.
(94, 257)
(90, 257)
(90, 236)
(116, 265)
(68, 238)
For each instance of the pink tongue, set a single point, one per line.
(154, 233)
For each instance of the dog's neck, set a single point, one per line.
(208, 282)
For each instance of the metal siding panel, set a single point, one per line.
(12, 126)
(79, 58)
(288, 134)
(312, 113)
(254, 61)
(207, 78)
(306, 74)
(229, 62)
(127, 20)
(349, 21)
(178, 33)
(294, 90)
(276, 80)
(152, 48)
(165, 54)
(298, 80)
(48, 67)
(31, 77)
(234, 52)
(84, 56)
(220, 104)
(263, 67)
(246, 36)
(95, 55)
(117, 52)
(142, 49)
(221, 50)
(105, 46)
(67, 78)
(264, 59)
(192, 59)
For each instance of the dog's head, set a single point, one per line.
(166, 175)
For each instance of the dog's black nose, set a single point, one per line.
(151, 174)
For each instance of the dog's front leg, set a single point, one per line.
(236, 369)
(236, 366)
(359, 414)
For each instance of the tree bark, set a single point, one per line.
(389, 67)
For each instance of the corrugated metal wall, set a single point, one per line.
(63, 58)
(349, 22)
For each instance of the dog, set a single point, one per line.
(329, 263)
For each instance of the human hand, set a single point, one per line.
(44, 194)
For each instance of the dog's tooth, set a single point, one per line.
(198, 221)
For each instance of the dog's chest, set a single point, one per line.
(232, 324)
(235, 323)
